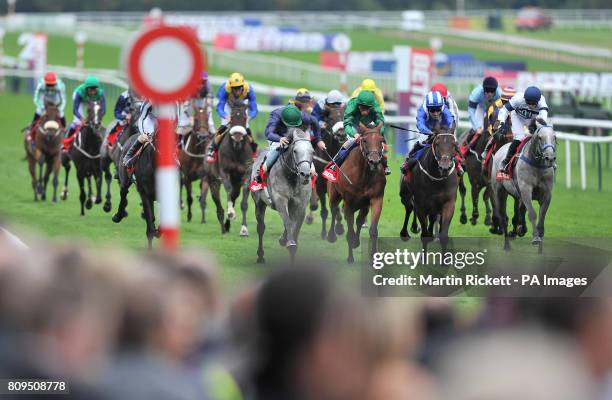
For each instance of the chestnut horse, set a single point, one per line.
(365, 190)
(46, 151)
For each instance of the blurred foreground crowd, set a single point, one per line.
(117, 325)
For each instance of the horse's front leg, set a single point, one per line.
(359, 224)
(39, 186)
(34, 180)
(67, 166)
(108, 177)
(215, 189)
(203, 194)
(82, 195)
(376, 205)
(349, 215)
(56, 169)
(229, 191)
(486, 197)
(334, 205)
(445, 220)
(526, 198)
(147, 208)
(260, 214)
(187, 183)
(244, 207)
(98, 180)
(475, 191)
(462, 192)
(314, 204)
(544, 204)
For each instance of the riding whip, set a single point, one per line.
(339, 169)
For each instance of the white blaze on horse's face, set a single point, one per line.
(547, 142)
(96, 109)
(302, 153)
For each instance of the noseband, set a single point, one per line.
(367, 153)
(289, 166)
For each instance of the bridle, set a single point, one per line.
(366, 153)
(289, 166)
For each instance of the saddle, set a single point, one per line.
(516, 156)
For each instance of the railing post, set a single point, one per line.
(568, 164)
(599, 184)
(582, 166)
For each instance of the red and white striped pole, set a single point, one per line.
(164, 64)
(167, 177)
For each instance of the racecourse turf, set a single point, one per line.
(573, 213)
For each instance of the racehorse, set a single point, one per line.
(432, 188)
(233, 163)
(85, 153)
(192, 154)
(532, 179)
(334, 137)
(478, 180)
(112, 154)
(363, 192)
(46, 151)
(289, 190)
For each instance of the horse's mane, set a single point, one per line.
(298, 133)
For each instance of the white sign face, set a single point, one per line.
(166, 65)
(341, 43)
(80, 37)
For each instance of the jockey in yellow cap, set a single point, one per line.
(235, 89)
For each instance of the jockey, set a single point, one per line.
(235, 89)
(431, 114)
(147, 127)
(276, 132)
(205, 96)
(527, 108)
(361, 109)
(320, 111)
(302, 100)
(370, 85)
(478, 102)
(50, 89)
(124, 107)
(449, 101)
(90, 90)
(493, 111)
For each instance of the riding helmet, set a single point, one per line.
(440, 88)
(291, 116)
(368, 84)
(434, 100)
(50, 79)
(92, 82)
(334, 96)
(532, 95)
(366, 98)
(236, 80)
(303, 95)
(490, 83)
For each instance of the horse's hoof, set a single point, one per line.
(64, 196)
(55, 200)
(364, 225)
(331, 237)
(189, 217)
(463, 219)
(282, 241)
(261, 260)
(404, 235)
(106, 207)
(244, 231)
(536, 240)
(157, 233)
(227, 225)
(323, 235)
(98, 200)
(350, 260)
(487, 220)
(88, 204)
(521, 231)
(507, 246)
(119, 216)
(339, 229)
(309, 219)
(415, 230)
(473, 220)
(203, 220)
(512, 234)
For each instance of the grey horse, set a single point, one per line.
(532, 179)
(288, 192)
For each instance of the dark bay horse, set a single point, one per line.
(432, 190)
(232, 167)
(478, 180)
(144, 172)
(365, 190)
(289, 190)
(85, 153)
(46, 152)
(192, 154)
(110, 155)
(334, 137)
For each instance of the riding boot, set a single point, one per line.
(502, 174)
(68, 139)
(128, 159)
(386, 165)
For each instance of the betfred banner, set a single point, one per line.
(273, 39)
(361, 62)
(414, 69)
(587, 84)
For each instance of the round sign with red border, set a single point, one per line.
(164, 64)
